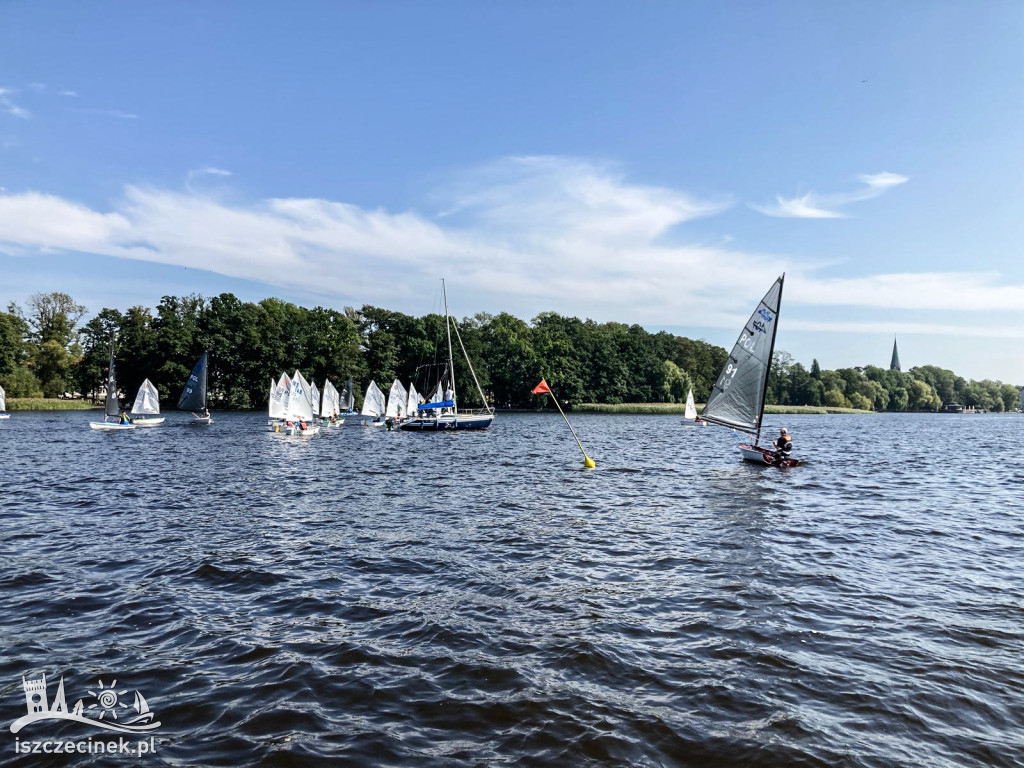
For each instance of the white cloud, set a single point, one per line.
(209, 172)
(71, 94)
(522, 235)
(817, 206)
(116, 113)
(7, 105)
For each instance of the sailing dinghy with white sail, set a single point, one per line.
(374, 405)
(690, 415)
(146, 409)
(277, 404)
(193, 395)
(113, 418)
(3, 405)
(443, 411)
(737, 399)
(299, 413)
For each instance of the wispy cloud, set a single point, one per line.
(117, 113)
(827, 206)
(7, 105)
(71, 94)
(522, 234)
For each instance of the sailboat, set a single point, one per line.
(111, 409)
(331, 408)
(299, 412)
(147, 403)
(443, 411)
(193, 396)
(737, 399)
(412, 402)
(398, 401)
(374, 406)
(3, 405)
(690, 415)
(277, 405)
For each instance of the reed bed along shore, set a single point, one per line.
(47, 404)
(679, 408)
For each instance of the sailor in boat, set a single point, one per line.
(783, 446)
(124, 418)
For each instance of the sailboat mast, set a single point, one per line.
(451, 360)
(771, 356)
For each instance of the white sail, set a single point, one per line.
(314, 399)
(3, 399)
(300, 405)
(438, 394)
(691, 407)
(335, 401)
(147, 401)
(279, 397)
(397, 400)
(373, 403)
(412, 401)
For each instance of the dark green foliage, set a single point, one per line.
(582, 360)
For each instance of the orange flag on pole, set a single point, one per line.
(541, 388)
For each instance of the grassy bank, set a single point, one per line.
(47, 404)
(679, 408)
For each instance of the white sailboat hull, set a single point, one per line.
(108, 426)
(295, 429)
(141, 421)
(5, 415)
(764, 456)
(201, 421)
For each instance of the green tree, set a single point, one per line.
(13, 330)
(676, 383)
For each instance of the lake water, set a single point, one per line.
(373, 598)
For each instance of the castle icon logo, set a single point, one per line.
(107, 710)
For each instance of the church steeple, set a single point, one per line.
(894, 365)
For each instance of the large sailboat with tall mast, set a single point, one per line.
(737, 399)
(443, 412)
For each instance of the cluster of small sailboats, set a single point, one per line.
(296, 407)
(145, 410)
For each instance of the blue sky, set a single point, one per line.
(653, 162)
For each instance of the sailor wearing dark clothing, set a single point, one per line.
(783, 446)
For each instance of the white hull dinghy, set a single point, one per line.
(146, 410)
(112, 418)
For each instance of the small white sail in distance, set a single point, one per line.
(413, 401)
(691, 408)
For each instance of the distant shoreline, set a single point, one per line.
(48, 404)
(680, 408)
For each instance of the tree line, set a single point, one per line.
(45, 350)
